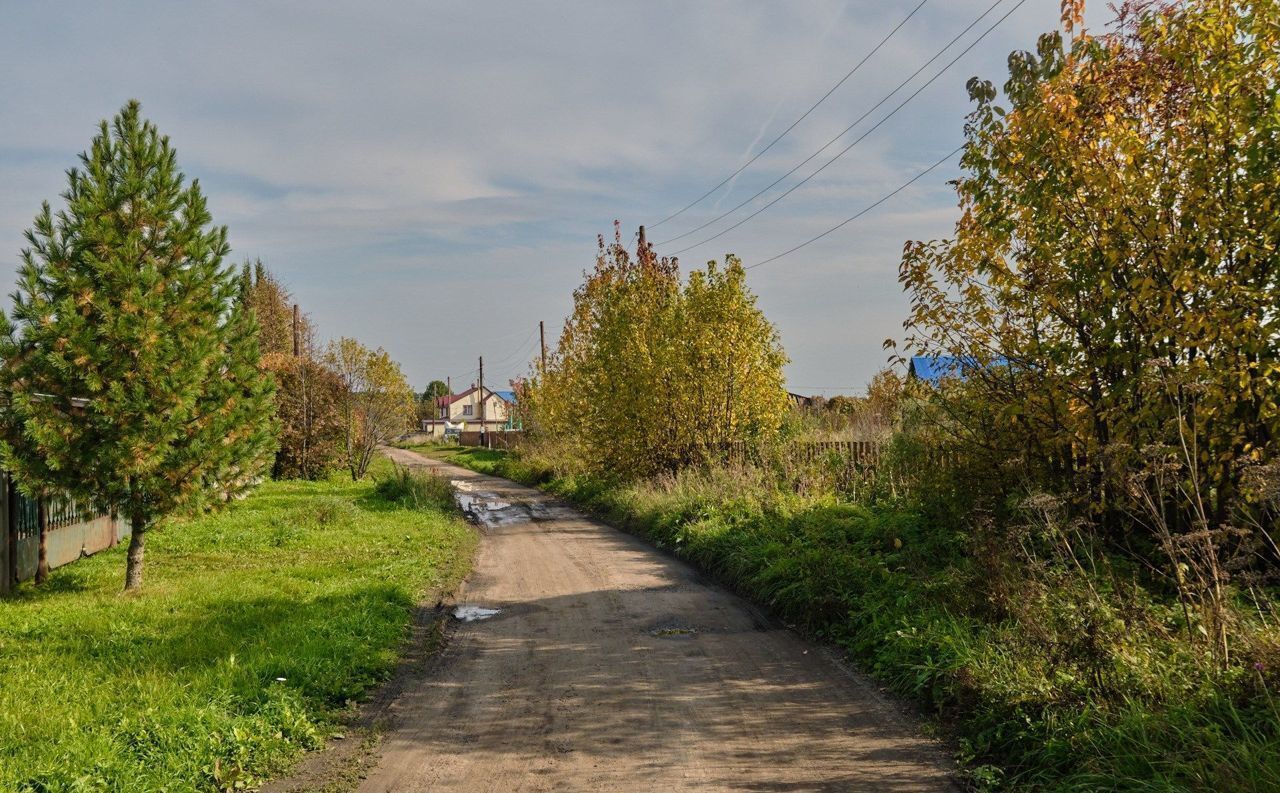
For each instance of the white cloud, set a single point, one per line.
(430, 175)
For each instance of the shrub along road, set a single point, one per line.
(611, 666)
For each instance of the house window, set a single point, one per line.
(467, 410)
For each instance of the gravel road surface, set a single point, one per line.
(585, 660)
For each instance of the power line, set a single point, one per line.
(858, 121)
(525, 347)
(846, 130)
(812, 108)
(864, 211)
(447, 343)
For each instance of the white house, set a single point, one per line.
(472, 411)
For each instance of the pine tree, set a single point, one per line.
(130, 356)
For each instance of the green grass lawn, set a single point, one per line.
(256, 626)
(484, 461)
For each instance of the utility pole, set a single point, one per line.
(542, 335)
(483, 435)
(297, 331)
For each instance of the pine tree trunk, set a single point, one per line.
(42, 552)
(133, 569)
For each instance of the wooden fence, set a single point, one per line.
(509, 439)
(859, 454)
(71, 531)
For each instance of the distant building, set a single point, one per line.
(464, 411)
(933, 369)
(800, 402)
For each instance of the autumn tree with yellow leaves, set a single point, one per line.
(308, 392)
(375, 403)
(1114, 278)
(654, 372)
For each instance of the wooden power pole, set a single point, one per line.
(542, 336)
(480, 411)
(297, 331)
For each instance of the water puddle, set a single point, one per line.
(539, 512)
(474, 613)
(672, 629)
(667, 633)
(486, 508)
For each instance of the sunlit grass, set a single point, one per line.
(485, 461)
(254, 628)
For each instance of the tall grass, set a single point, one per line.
(255, 628)
(416, 489)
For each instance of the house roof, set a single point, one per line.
(507, 396)
(933, 368)
(800, 399)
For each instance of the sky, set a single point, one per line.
(431, 177)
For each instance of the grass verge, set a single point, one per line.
(255, 630)
(484, 461)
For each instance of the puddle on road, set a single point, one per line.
(473, 613)
(539, 511)
(488, 509)
(673, 629)
(668, 633)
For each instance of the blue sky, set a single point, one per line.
(430, 177)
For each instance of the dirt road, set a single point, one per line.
(610, 666)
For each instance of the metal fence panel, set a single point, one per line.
(73, 531)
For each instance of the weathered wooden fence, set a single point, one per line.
(509, 439)
(71, 531)
(860, 454)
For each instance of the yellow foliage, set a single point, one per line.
(653, 373)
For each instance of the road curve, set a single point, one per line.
(611, 666)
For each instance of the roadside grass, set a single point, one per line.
(1052, 689)
(417, 490)
(484, 461)
(255, 629)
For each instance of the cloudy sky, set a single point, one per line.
(430, 177)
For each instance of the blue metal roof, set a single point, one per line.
(508, 396)
(933, 368)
